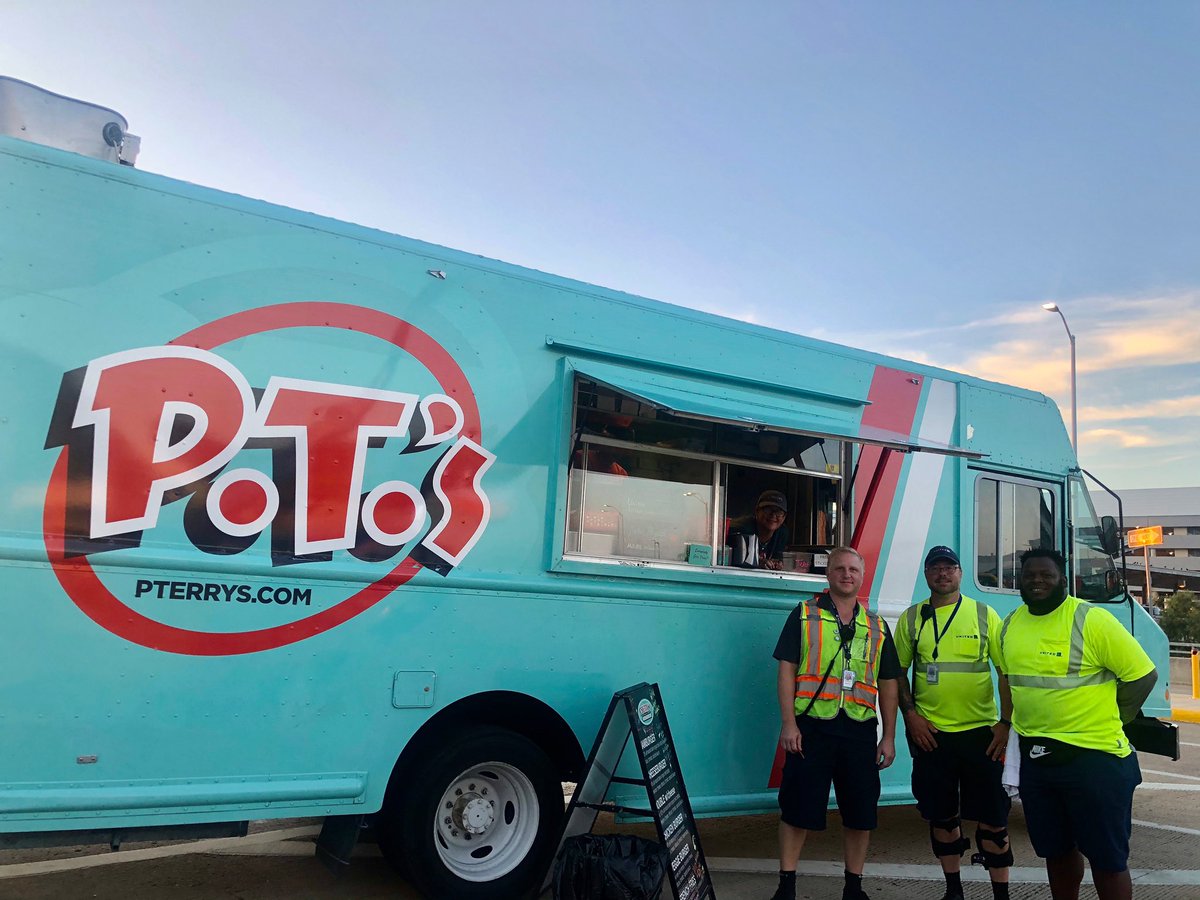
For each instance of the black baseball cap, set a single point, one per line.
(772, 498)
(941, 552)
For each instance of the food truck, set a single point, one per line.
(303, 519)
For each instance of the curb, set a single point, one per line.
(1186, 715)
(260, 839)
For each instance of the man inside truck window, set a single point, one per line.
(1076, 676)
(956, 735)
(758, 541)
(838, 674)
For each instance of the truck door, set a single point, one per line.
(1013, 514)
(1092, 572)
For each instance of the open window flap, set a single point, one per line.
(766, 408)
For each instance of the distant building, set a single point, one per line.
(1175, 564)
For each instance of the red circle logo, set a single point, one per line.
(89, 593)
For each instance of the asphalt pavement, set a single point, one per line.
(277, 862)
(1163, 860)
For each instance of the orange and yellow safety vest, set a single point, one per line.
(820, 645)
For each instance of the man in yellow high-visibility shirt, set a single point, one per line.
(956, 736)
(1076, 675)
(836, 680)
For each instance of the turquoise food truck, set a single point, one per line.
(303, 519)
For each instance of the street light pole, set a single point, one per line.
(1053, 307)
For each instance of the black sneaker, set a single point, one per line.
(955, 894)
(783, 893)
(849, 893)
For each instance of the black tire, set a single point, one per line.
(503, 826)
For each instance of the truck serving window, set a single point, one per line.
(652, 486)
(1010, 518)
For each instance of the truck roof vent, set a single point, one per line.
(43, 117)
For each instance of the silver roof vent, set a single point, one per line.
(43, 117)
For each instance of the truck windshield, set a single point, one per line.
(1093, 574)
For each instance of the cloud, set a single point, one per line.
(1024, 347)
(1120, 437)
(1131, 437)
(890, 341)
(1138, 370)
(1162, 407)
(1161, 340)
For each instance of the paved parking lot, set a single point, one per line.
(277, 862)
(1165, 858)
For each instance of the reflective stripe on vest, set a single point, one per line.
(865, 691)
(980, 664)
(981, 612)
(1074, 660)
(1004, 627)
(814, 636)
(808, 681)
(1064, 682)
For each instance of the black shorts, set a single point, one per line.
(1085, 802)
(957, 779)
(842, 753)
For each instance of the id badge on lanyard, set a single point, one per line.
(846, 637)
(932, 675)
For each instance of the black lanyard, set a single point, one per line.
(833, 659)
(849, 628)
(937, 637)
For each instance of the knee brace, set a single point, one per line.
(987, 858)
(948, 848)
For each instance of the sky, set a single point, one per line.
(914, 178)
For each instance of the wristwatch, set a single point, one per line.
(1003, 721)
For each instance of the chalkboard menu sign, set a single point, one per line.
(638, 712)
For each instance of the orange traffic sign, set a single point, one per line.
(1145, 537)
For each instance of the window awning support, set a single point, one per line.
(869, 501)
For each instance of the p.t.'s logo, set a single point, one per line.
(149, 430)
(645, 711)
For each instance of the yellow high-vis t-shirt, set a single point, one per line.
(1063, 668)
(964, 695)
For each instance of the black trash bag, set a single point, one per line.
(609, 867)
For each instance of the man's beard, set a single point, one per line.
(1051, 603)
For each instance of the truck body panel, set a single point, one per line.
(164, 668)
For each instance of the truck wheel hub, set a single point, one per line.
(473, 814)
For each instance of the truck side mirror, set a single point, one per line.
(1110, 542)
(1112, 583)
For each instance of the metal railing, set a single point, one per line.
(1182, 651)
